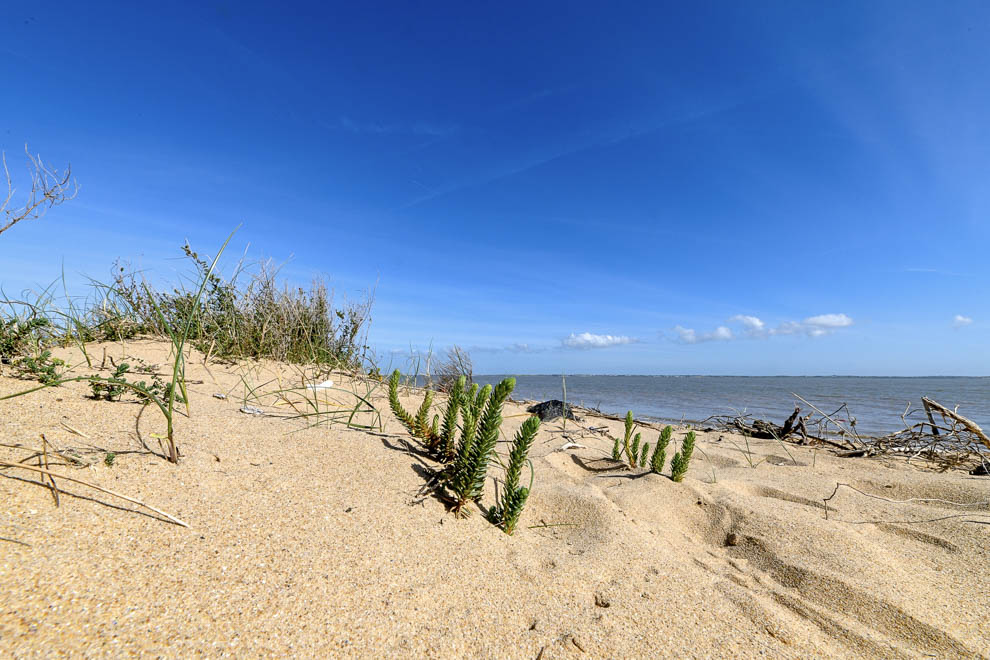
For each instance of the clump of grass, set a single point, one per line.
(679, 463)
(660, 451)
(506, 513)
(249, 315)
(175, 392)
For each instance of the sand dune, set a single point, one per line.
(319, 541)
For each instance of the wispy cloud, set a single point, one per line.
(751, 323)
(588, 340)
(690, 336)
(960, 321)
(422, 128)
(754, 327)
(518, 347)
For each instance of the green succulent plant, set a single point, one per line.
(466, 478)
(506, 513)
(448, 432)
(679, 463)
(660, 451)
(630, 444)
(417, 425)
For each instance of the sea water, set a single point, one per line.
(876, 403)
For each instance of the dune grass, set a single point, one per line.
(222, 318)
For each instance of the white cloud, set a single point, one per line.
(814, 326)
(689, 336)
(960, 321)
(829, 321)
(752, 323)
(588, 340)
(756, 328)
(517, 347)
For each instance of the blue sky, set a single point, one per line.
(718, 188)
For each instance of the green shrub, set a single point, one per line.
(679, 463)
(19, 336)
(112, 387)
(43, 368)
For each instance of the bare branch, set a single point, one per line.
(49, 188)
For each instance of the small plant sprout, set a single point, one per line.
(416, 425)
(400, 413)
(44, 368)
(467, 478)
(616, 449)
(637, 438)
(506, 513)
(109, 458)
(627, 440)
(679, 463)
(111, 388)
(644, 452)
(660, 451)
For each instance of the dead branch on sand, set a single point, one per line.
(910, 500)
(95, 487)
(952, 442)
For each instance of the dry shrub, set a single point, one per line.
(457, 363)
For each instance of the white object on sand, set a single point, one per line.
(571, 445)
(325, 385)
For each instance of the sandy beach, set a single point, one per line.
(316, 541)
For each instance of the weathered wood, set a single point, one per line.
(970, 425)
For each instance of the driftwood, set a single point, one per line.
(954, 442)
(969, 425)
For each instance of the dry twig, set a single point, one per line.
(94, 486)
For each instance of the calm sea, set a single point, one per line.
(877, 403)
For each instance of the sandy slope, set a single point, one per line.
(317, 542)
